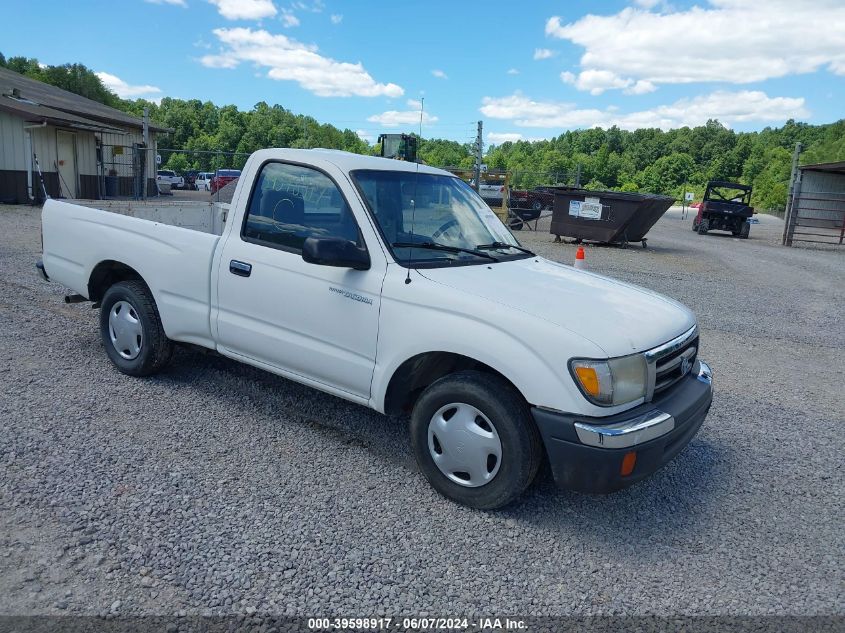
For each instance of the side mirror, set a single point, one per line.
(335, 251)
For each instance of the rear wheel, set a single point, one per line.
(131, 329)
(474, 440)
(703, 227)
(744, 231)
(695, 226)
(537, 205)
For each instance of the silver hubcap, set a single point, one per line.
(125, 330)
(464, 445)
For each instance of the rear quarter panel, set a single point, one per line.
(174, 262)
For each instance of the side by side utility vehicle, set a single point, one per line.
(726, 207)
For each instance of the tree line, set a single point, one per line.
(646, 160)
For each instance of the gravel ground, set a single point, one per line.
(217, 488)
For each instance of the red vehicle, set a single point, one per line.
(535, 199)
(223, 177)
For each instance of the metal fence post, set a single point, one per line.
(794, 188)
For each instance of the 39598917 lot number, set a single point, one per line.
(375, 623)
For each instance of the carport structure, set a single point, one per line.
(816, 207)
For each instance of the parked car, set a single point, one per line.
(535, 200)
(223, 177)
(322, 274)
(170, 177)
(203, 180)
(726, 207)
(492, 190)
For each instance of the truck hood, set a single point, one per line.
(619, 318)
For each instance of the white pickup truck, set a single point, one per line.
(393, 285)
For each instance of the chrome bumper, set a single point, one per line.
(638, 430)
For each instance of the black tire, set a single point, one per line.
(703, 227)
(516, 224)
(695, 226)
(155, 348)
(508, 412)
(744, 231)
(537, 205)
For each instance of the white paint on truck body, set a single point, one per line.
(347, 331)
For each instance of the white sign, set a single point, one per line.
(483, 168)
(689, 196)
(158, 159)
(590, 209)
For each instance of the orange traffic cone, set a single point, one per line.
(580, 262)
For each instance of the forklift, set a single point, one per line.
(399, 146)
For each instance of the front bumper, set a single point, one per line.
(586, 453)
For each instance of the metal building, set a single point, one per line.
(816, 207)
(84, 149)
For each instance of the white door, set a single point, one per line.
(66, 159)
(318, 322)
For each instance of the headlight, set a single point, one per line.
(611, 382)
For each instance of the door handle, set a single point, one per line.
(241, 269)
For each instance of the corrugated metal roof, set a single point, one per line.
(34, 113)
(39, 93)
(837, 167)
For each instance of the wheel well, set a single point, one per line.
(412, 377)
(106, 274)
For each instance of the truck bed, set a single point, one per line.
(207, 217)
(171, 245)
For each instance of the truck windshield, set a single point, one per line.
(430, 209)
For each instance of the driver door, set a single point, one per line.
(312, 322)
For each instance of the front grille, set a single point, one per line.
(670, 368)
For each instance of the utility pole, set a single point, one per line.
(478, 151)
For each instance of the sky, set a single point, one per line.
(529, 70)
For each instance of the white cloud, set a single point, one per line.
(504, 137)
(416, 104)
(543, 53)
(336, 18)
(393, 118)
(365, 136)
(595, 81)
(289, 19)
(439, 74)
(245, 9)
(314, 6)
(736, 41)
(290, 60)
(513, 71)
(125, 90)
(177, 3)
(640, 87)
(728, 107)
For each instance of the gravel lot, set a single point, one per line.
(216, 488)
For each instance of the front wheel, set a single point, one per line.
(474, 439)
(131, 329)
(703, 227)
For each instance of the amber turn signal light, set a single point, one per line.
(628, 463)
(589, 380)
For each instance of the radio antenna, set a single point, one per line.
(414, 197)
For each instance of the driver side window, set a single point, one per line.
(291, 203)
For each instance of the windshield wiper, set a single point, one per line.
(434, 246)
(494, 246)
